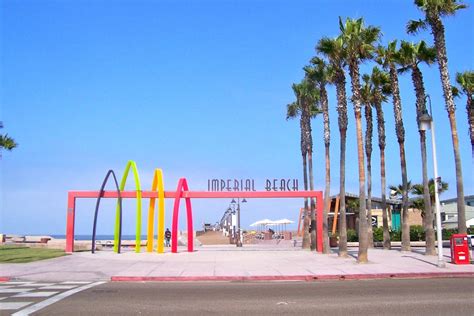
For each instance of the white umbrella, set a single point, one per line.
(284, 221)
(262, 222)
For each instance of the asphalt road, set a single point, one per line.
(370, 297)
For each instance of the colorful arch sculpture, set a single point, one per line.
(118, 223)
(182, 186)
(157, 186)
(97, 204)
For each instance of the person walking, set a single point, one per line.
(167, 237)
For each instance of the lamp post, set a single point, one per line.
(427, 123)
(239, 237)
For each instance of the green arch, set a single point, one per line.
(138, 189)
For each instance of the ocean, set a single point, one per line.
(98, 237)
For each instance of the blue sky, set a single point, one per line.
(197, 88)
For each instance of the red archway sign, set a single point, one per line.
(182, 192)
(182, 187)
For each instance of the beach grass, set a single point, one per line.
(23, 254)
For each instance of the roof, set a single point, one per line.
(376, 199)
(455, 200)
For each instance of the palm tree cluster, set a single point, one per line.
(343, 55)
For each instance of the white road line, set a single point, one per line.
(75, 282)
(36, 307)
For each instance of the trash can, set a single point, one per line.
(459, 249)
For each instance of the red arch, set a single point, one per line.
(182, 186)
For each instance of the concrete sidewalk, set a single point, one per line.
(226, 262)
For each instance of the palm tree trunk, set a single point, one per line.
(386, 232)
(417, 78)
(462, 228)
(327, 198)
(306, 239)
(440, 44)
(312, 204)
(363, 240)
(470, 120)
(405, 225)
(368, 152)
(400, 131)
(342, 122)
(383, 188)
(327, 202)
(363, 236)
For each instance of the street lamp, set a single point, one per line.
(239, 237)
(426, 123)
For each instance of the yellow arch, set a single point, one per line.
(138, 189)
(157, 186)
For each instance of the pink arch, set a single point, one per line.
(182, 186)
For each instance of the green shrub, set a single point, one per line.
(448, 232)
(352, 235)
(396, 235)
(417, 233)
(378, 234)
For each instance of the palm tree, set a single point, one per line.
(418, 189)
(387, 57)
(334, 50)
(6, 142)
(434, 10)
(359, 43)
(410, 57)
(397, 191)
(305, 107)
(465, 81)
(367, 96)
(319, 73)
(381, 89)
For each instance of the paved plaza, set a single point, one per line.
(227, 262)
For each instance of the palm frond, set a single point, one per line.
(415, 26)
(293, 110)
(456, 92)
(6, 142)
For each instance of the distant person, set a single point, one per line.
(271, 231)
(167, 237)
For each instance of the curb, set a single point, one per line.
(4, 279)
(306, 278)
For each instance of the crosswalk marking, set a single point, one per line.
(13, 305)
(16, 290)
(58, 287)
(75, 282)
(56, 298)
(36, 294)
(36, 284)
